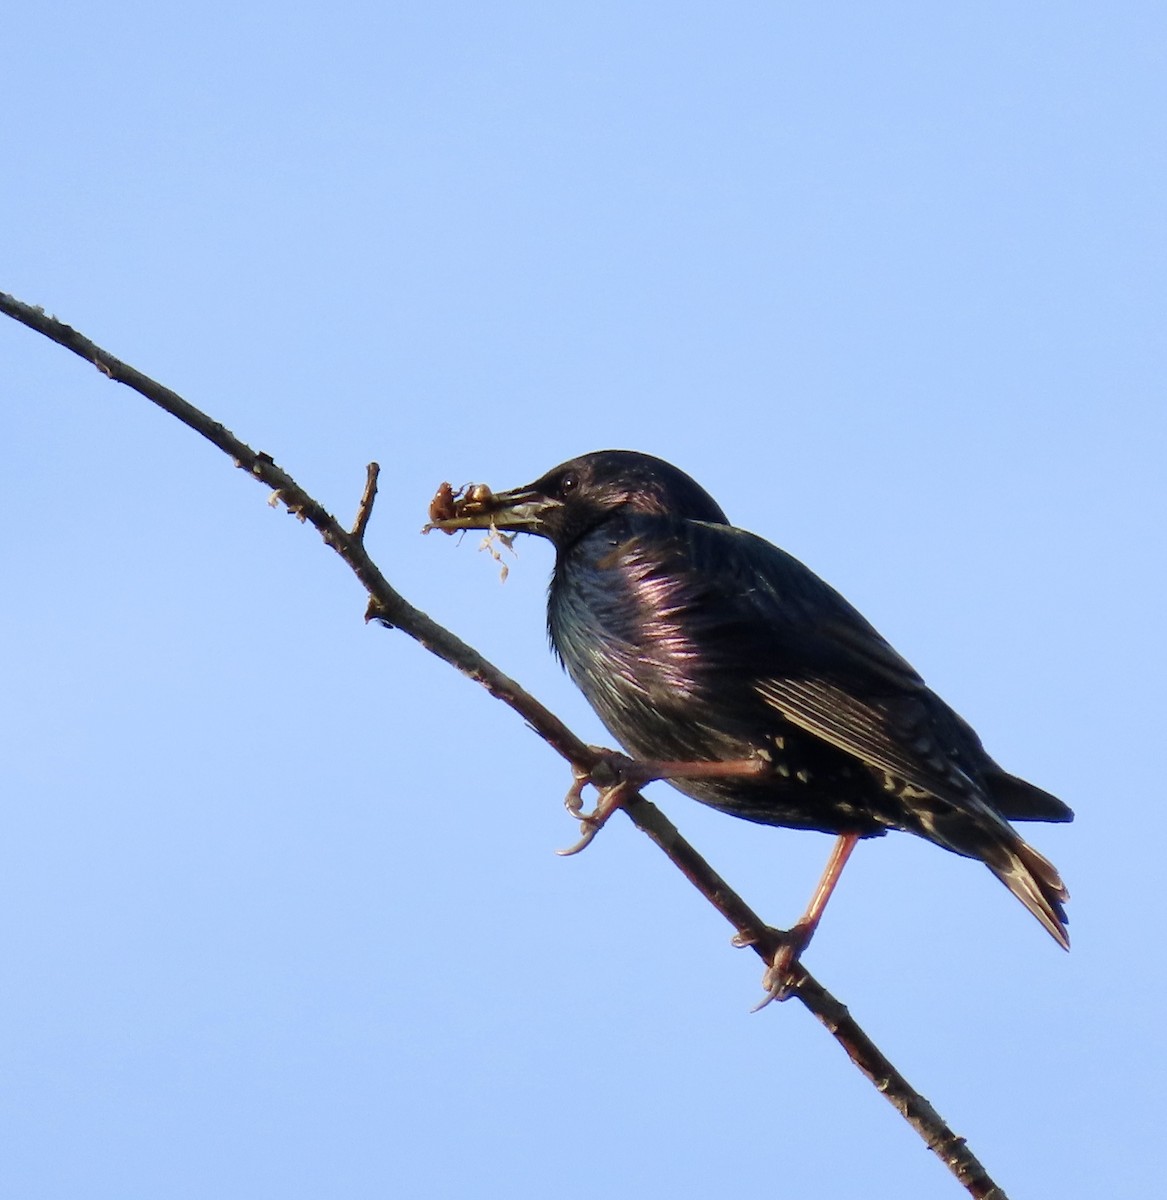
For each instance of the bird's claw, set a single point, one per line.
(782, 976)
(590, 827)
(573, 801)
(782, 949)
(611, 798)
(611, 775)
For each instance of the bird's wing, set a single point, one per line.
(896, 738)
(817, 661)
(789, 610)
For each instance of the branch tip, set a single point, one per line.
(365, 508)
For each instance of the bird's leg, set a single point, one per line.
(617, 777)
(795, 940)
(734, 768)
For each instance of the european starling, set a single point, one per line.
(697, 642)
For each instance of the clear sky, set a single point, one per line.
(279, 913)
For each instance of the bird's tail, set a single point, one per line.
(1030, 876)
(1034, 880)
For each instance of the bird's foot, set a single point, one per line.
(784, 972)
(782, 949)
(617, 778)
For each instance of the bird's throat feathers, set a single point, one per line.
(616, 618)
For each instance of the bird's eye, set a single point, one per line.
(568, 483)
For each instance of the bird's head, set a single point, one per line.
(578, 495)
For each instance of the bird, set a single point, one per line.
(697, 642)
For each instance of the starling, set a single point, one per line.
(699, 643)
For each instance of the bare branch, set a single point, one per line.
(391, 609)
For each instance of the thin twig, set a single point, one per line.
(365, 508)
(390, 608)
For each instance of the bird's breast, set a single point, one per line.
(622, 626)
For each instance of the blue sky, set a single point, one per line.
(278, 910)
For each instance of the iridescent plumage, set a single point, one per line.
(697, 641)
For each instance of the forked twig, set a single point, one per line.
(389, 607)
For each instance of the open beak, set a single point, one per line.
(521, 509)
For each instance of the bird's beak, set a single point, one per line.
(522, 510)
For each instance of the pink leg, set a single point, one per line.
(631, 774)
(777, 979)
